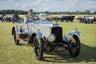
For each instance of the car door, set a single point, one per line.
(24, 28)
(32, 28)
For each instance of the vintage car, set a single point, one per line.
(63, 18)
(47, 36)
(9, 18)
(44, 16)
(67, 18)
(1, 17)
(87, 19)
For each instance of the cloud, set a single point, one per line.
(45, 7)
(10, 0)
(49, 5)
(17, 5)
(72, 2)
(37, 2)
(91, 4)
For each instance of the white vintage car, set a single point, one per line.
(44, 16)
(47, 36)
(87, 19)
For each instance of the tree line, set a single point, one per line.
(47, 12)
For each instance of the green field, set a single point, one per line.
(23, 54)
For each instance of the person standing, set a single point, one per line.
(29, 17)
(13, 18)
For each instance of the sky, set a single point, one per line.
(49, 5)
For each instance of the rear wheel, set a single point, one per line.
(91, 21)
(74, 47)
(66, 20)
(38, 48)
(16, 41)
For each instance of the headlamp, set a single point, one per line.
(69, 36)
(51, 38)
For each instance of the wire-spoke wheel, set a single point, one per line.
(16, 41)
(38, 48)
(74, 47)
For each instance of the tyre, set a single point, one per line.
(74, 47)
(85, 21)
(16, 41)
(80, 21)
(91, 21)
(71, 20)
(66, 20)
(38, 48)
(2, 20)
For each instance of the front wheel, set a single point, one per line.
(38, 48)
(74, 47)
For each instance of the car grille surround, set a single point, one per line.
(57, 31)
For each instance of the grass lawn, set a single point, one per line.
(23, 54)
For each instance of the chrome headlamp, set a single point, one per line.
(69, 36)
(51, 38)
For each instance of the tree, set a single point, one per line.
(87, 12)
(94, 12)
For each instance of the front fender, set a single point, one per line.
(75, 32)
(38, 34)
(69, 35)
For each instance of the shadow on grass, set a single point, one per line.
(88, 54)
(24, 44)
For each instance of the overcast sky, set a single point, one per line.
(49, 5)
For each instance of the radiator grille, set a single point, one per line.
(57, 31)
